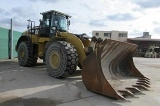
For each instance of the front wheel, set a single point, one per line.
(61, 59)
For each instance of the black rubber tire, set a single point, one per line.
(68, 59)
(28, 59)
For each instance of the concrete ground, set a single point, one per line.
(32, 86)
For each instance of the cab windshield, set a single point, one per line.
(60, 22)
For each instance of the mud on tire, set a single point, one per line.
(61, 59)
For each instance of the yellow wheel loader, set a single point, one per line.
(107, 66)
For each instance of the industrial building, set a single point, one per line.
(6, 51)
(144, 42)
(114, 35)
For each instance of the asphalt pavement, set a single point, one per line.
(32, 86)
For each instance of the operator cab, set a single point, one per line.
(53, 21)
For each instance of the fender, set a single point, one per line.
(23, 38)
(27, 38)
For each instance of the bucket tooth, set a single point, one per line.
(144, 79)
(120, 97)
(126, 93)
(133, 89)
(140, 87)
(144, 84)
(141, 81)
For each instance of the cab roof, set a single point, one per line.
(56, 12)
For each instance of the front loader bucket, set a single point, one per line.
(110, 70)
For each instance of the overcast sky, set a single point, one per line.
(134, 16)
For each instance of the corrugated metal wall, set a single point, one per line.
(4, 39)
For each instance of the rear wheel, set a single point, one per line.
(61, 59)
(25, 56)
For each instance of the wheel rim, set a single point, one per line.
(21, 53)
(54, 60)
